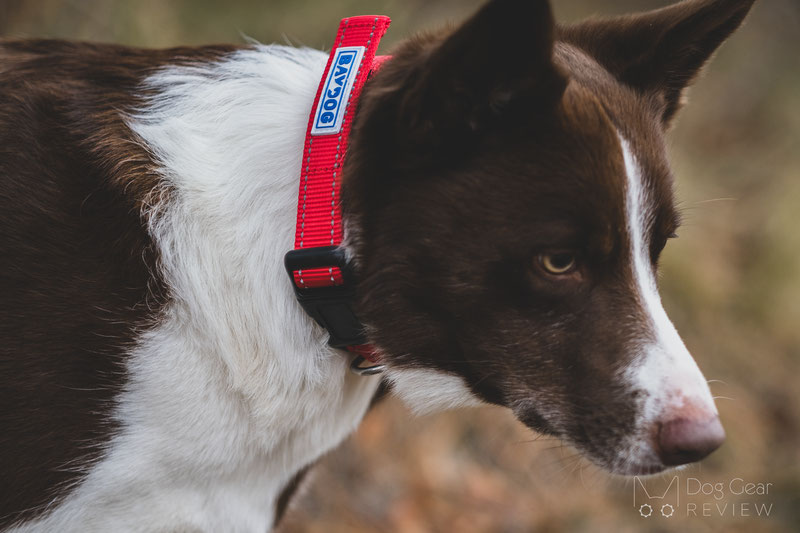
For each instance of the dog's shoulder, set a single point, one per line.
(78, 270)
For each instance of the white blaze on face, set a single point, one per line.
(664, 369)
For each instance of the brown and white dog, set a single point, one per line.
(506, 197)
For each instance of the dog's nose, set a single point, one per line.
(685, 440)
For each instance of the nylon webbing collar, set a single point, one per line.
(317, 265)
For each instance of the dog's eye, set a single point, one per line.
(559, 263)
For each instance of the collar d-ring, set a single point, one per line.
(356, 368)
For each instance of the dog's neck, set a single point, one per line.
(236, 385)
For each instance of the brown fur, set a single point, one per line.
(78, 272)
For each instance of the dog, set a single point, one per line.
(505, 198)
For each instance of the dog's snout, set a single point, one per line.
(686, 439)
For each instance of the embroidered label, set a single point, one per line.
(329, 116)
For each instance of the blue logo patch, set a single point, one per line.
(336, 91)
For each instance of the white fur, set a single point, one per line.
(235, 390)
(429, 391)
(664, 369)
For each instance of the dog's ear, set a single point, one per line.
(661, 51)
(495, 63)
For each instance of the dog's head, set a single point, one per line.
(506, 199)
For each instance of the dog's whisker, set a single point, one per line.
(712, 200)
(724, 398)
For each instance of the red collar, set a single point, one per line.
(317, 266)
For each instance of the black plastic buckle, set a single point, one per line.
(331, 307)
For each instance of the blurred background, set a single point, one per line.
(731, 283)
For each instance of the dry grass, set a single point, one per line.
(731, 283)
